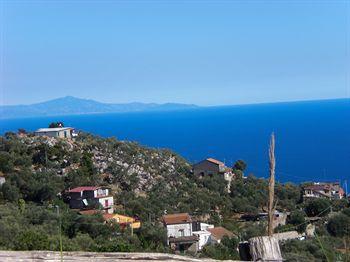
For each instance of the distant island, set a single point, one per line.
(70, 105)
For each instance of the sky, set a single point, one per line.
(201, 52)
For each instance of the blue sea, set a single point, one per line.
(312, 138)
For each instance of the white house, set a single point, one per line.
(185, 234)
(178, 225)
(62, 132)
(201, 230)
(179, 232)
(87, 196)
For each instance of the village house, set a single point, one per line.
(91, 197)
(186, 234)
(61, 132)
(201, 230)
(323, 190)
(213, 167)
(179, 232)
(123, 221)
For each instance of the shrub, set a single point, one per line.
(339, 225)
(297, 218)
(317, 207)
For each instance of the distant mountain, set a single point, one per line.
(75, 106)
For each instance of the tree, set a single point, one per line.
(6, 164)
(297, 218)
(56, 124)
(21, 205)
(318, 207)
(22, 131)
(240, 165)
(339, 225)
(32, 240)
(10, 192)
(227, 249)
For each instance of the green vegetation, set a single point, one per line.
(226, 250)
(318, 207)
(56, 124)
(145, 183)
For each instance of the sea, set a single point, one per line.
(312, 137)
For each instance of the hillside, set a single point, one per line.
(145, 183)
(134, 172)
(74, 106)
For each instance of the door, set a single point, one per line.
(106, 203)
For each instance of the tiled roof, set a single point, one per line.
(330, 186)
(177, 218)
(83, 188)
(215, 161)
(220, 232)
(108, 216)
(55, 129)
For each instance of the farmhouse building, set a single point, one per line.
(213, 167)
(323, 190)
(186, 234)
(90, 197)
(179, 232)
(61, 132)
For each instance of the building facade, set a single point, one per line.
(90, 198)
(61, 132)
(213, 167)
(186, 234)
(323, 190)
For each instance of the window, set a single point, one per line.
(182, 232)
(106, 203)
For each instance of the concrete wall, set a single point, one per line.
(110, 204)
(206, 167)
(204, 238)
(62, 134)
(175, 230)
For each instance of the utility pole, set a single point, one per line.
(60, 226)
(272, 163)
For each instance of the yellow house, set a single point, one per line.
(123, 220)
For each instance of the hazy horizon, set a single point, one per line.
(171, 102)
(202, 53)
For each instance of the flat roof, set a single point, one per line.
(55, 129)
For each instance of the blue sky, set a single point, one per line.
(202, 52)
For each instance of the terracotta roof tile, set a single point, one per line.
(177, 218)
(83, 188)
(215, 161)
(220, 232)
(108, 216)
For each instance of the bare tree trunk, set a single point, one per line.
(266, 248)
(271, 209)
